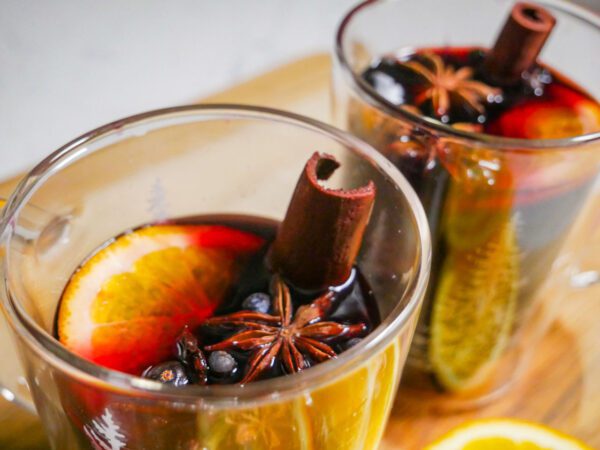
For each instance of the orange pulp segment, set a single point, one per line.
(126, 305)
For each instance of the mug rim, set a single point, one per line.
(280, 388)
(375, 100)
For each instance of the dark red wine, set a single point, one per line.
(353, 303)
(498, 217)
(208, 307)
(543, 104)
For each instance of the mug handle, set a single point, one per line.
(13, 383)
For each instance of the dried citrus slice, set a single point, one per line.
(473, 310)
(506, 434)
(125, 306)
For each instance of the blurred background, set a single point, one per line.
(68, 66)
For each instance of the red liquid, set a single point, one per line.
(497, 218)
(238, 235)
(543, 105)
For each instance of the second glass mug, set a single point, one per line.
(180, 162)
(499, 209)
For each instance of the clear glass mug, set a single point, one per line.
(499, 209)
(187, 161)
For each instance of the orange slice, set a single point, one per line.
(348, 413)
(273, 426)
(562, 114)
(558, 122)
(126, 305)
(474, 311)
(506, 434)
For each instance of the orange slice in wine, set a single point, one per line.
(474, 311)
(565, 113)
(126, 305)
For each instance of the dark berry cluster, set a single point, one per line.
(191, 366)
(266, 337)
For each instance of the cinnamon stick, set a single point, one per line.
(519, 43)
(320, 236)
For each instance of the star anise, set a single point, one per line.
(281, 338)
(443, 82)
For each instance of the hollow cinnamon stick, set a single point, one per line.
(320, 236)
(519, 43)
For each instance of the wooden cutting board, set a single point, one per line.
(562, 385)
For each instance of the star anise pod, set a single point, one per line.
(444, 81)
(282, 337)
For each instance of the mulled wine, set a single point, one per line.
(227, 299)
(221, 307)
(452, 85)
(126, 305)
(498, 213)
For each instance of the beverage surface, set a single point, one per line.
(451, 85)
(193, 302)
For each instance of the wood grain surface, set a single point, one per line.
(561, 387)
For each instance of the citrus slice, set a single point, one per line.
(564, 113)
(557, 122)
(126, 305)
(275, 426)
(347, 413)
(473, 310)
(351, 412)
(467, 220)
(506, 434)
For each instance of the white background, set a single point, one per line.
(67, 66)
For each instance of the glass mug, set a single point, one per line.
(499, 209)
(180, 162)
